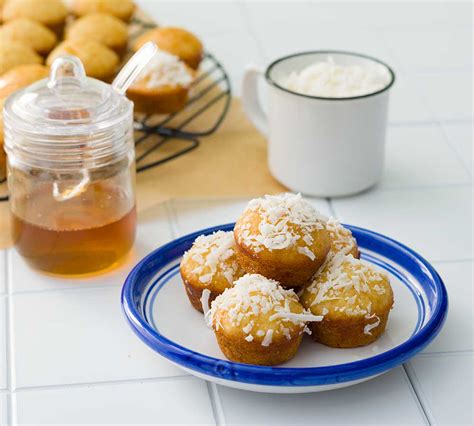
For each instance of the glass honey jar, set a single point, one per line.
(71, 172)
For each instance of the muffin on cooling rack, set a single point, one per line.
(209, 267)
(30, 33)
(99, 61)
(13, 54)
(258, 322)
(163, 86)
(341, 238)
(176, 41)
(103, 28)
(282, 237)
(13, 80)
(51, 13)
(122, 9)
(355, 300)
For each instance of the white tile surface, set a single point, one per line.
(447, 94)
(152, 232)
(406, 101)
(205, 18)
(302, 34)
(436, 48)
(3, 276)
(235, 51)
(183, 401)
(444, 384)
(3, 409)
(457, 333)
(418, 156)
(460, 136)
(3, 342)
(436, 222)
(73, 336)
(390, 394)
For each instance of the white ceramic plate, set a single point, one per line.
(157, 308)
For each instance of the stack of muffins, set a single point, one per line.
(284, 270)
(36, 32)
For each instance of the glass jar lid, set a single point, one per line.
(67, 104)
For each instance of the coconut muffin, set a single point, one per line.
(355, 300)
(176, 41)
(3, 155)
(99, 61)
(102, 28)
(121, 9)
(51, 13)
(282, 237)
(209, 267)
(163, 86)
(13, 54)
(341, 238)
(30, 33)
(258, 322)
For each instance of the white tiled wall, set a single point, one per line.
(70, 357)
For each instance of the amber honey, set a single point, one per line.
(83, 235)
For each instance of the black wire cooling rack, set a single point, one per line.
(162, 138)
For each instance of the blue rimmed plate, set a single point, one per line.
(158, 310)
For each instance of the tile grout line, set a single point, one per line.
(214, 399)
(101, 384)
(216, 404)
(423, 411)
(244, 12)
(447, 140)
(413, 380)
(9, 337)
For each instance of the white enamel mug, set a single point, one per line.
(326, 147)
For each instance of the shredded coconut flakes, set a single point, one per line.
(287, 221)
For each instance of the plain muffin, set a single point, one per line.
(103, 28)
(52, 13)
(122, 9)
(21, 76)
(13, 54)
(99, 61)
(176, 41)
(30, 33)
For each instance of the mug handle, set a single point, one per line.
(250, 99)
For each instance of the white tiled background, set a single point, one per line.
(66, 353)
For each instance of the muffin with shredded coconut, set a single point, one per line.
(258, 322)
(163, 86)
(342, 240)
(282, 237)
(355, 300)
(209, 267)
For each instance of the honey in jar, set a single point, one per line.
(71, 172)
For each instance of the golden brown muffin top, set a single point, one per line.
(13, 54)
(48, 12)
(122, 9)
(258, 309)
(20, 77)
(211, 262)
(281, 223)
(29, 32)
(101, 27)
(176, 41)
(346, 286)
(99, 61)
(341, 239)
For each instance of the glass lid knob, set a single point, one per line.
(67, 72)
